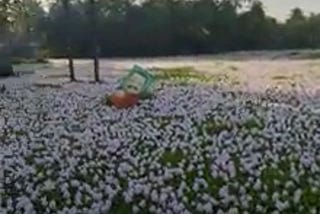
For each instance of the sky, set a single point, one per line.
(280, 9)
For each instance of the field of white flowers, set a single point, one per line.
(192, 148)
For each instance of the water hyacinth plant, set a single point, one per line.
(191, 149)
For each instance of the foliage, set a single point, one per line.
(9, 11)
(166, 27)
(20, 16)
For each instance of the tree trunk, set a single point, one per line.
(93, 20)
(96, 66)
(71, 66)
(6, 68)
(66, 7)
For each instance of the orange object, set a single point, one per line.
(121, 99)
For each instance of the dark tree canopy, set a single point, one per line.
(167, 27)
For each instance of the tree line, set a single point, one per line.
(84, 28)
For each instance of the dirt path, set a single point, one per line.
(252, 72)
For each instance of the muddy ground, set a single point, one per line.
(253, 71)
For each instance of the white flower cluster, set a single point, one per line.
(191, 149)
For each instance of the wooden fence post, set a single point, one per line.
(66, 6)
(96, 49)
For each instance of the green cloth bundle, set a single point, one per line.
(139, 81)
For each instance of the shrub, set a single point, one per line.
(6, 68)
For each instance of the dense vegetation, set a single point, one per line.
(165, 27)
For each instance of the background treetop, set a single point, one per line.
(159, 27)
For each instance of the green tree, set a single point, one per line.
(313, 31)
(9, 12)
(253, 27)
(34, 16)
(295, 29)
(162, 27)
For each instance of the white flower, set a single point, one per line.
(52, 205)
(23, 202)
(259, 208)
(78, 198)
(106, 207)
(224, 192)
(233, 211)
(276, 182)
(154, 196)
(301, 208)
(142, 204)
(135, 209)
(285, 193)
(152, 209)
(244, 202)
(220, 211)
(128, 197)
(208, 208)
(257, 185)
(314, 189)
(289, 184)
(185, 199)
(75, 183)
(281, 205)
(199, 208)
(44, 201)
(275, 196)
(313, 211)
(196, 187)
(177, 208)
(264, 197)
(242, 190)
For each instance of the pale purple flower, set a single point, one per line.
(52, 205)
(264, 197)
(233, 211)
(313, 211)
(224, 192)
(142, 204)
(78, 198)
(128, 197)
(208, 208)
(297, 196)
(281, 205)
(135, 209)
(152, 209)
(44, 201)
(220, 211)
(257, 185)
